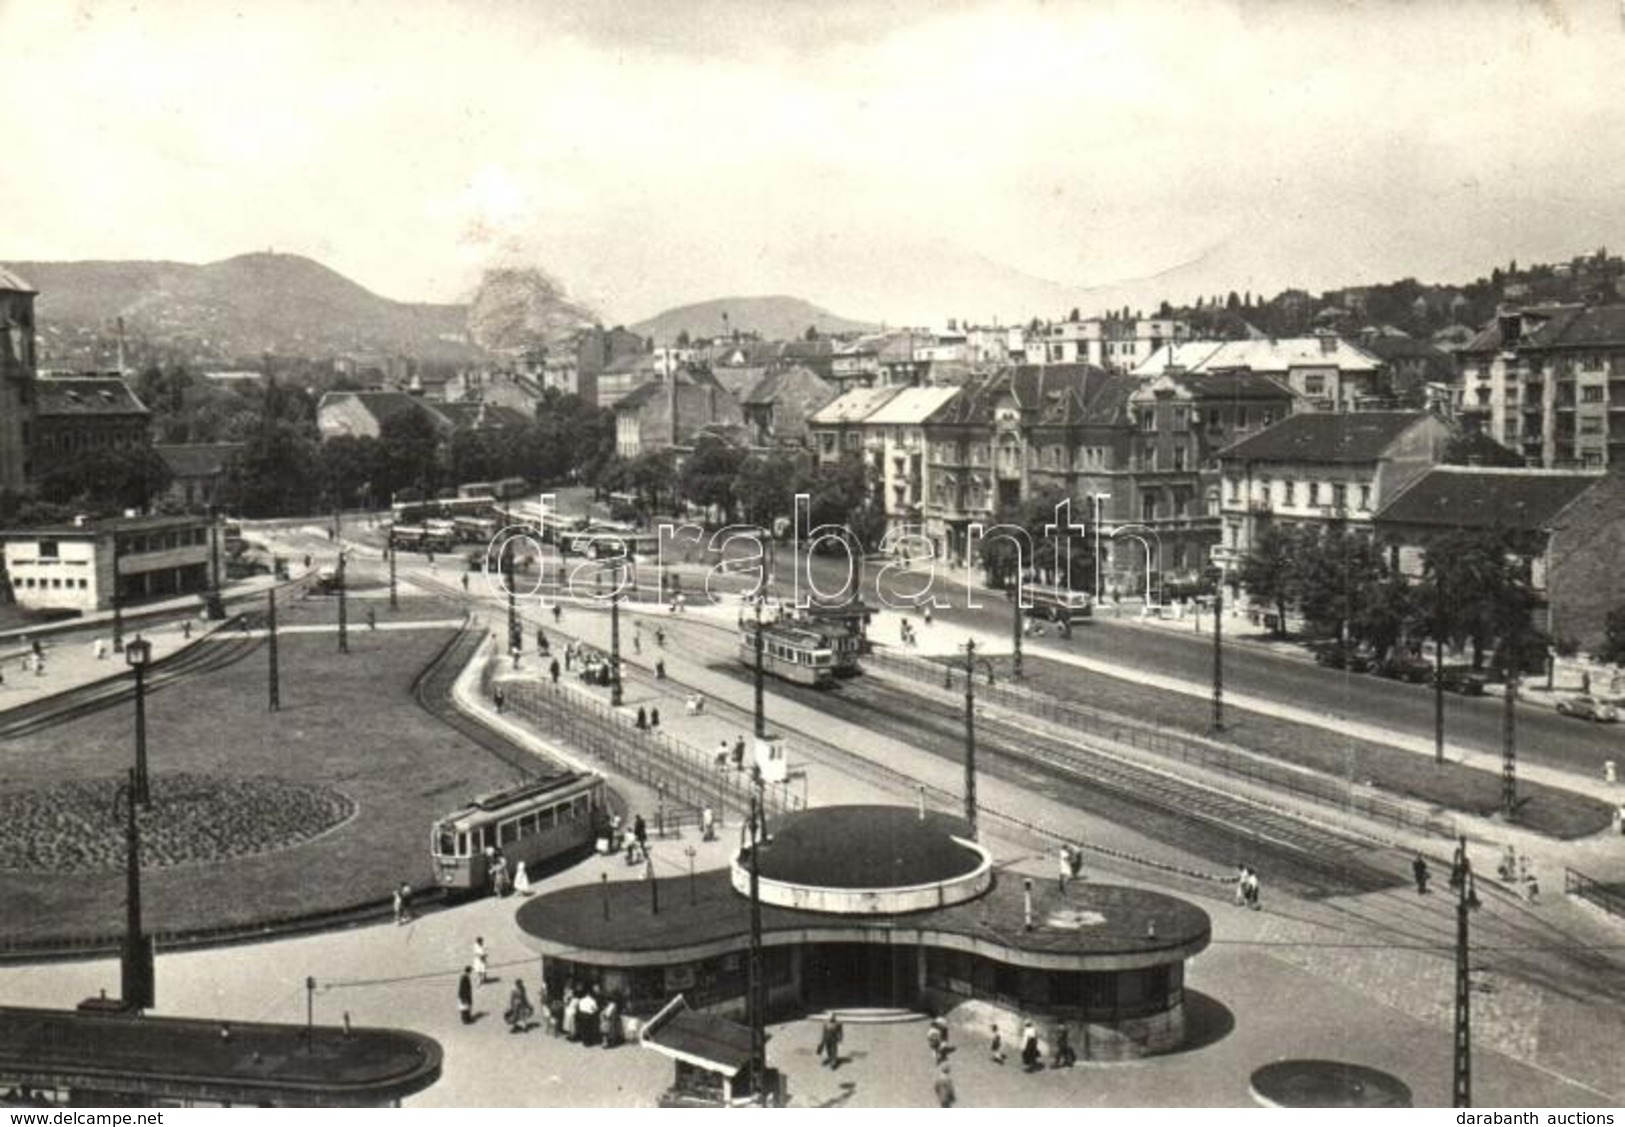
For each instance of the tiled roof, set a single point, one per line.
(1582, 328)
(86, 395)
(854, 406)
(11, 281)
(197, 460)
(1475, 497)
(1327, 436)
(1046, 394)
(1266, 354)
(773, 384)
(911, 406)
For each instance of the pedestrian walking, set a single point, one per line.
(480, 965)
(1077, 861)
(933, 1041)
(640, 830)
(372, 619)
(572, 1011)
(558, 613)
(944, 1087)
(1066, 866)
(708, 825)
(654, 718)
(406, 902)
(99, 648)
(569, 657)
(637, 643)
(739, 754)
(928, 614)
(643, 719)
(995, 1047)
(829, 1041)
(521, 880)
(465, 996)
(587, 1027)
(465, 582)
(1240, 898)
(1252, 890)
(1031, 1057)
(519, 1012)
(660, 636)
(541, 641)
(186, 629)
(498, 697)
(1064, 1056)
(660, 671)
(614, 1035)
(553, 670)
(1419, 870)
(400, 907)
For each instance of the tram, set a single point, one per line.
(790, 652)
(535, 822)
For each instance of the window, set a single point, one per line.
(1148, 420)
(49, 550)
(1181, 418)
(1314, 492)
(1314, 386)
(1340, 498)
(1591, 425)
(1179, 458)
(1290, 499)
(1365, 498)
(1148, 507)
(1591, 395)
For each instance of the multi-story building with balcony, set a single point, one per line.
(1549, 381)
(1119, 344)
(1181, 422)
(1021, 433)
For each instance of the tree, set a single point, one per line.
(1475, 591)
(277, 473)
(649, 476)
(348, 465)
(409, 454)
(765, 487)
(1613, 646)
(1269, 571)
(709, 475)
(1334, 572)
(107, 482)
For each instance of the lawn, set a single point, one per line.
(348, 726)
(1472, 790)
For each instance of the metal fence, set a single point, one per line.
(1169, 743)
(1609, 898)
(687, 778)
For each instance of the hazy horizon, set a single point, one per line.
(900, 162)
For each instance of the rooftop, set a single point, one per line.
(854, 406)
(86, 395)
(11, 281)
(1325, 436)
(1264, 354)
(1477, 497)
(867, 847)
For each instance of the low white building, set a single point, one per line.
(72, 567)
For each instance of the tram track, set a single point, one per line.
(229, 646)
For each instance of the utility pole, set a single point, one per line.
(516, 641)
(118, 602)
(761, 711)
(755, 986)
(970, 735)
(275, 700)
(615, 639)
(344, 609)
(135, 963)
(1218, 654)
(1438, 673)
(1466, 899)
(1015, 631)
(137, 654)
(1509, 745)
(394, 598)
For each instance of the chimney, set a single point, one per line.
(1328, 343)
(1511, 329)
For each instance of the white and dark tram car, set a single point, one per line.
(537, 822)
(790, 652)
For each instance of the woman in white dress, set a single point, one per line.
(521, 880)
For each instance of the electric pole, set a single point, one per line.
(615, 639)
(761, 711)
(1218, 655)
(1466, 899)
(970, 736)
(135, 963)
(755, 986)
(344, 609)
(1509, 745)
(275, 687)
(394, 599)
(1015, 632)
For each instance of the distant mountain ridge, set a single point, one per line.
(775, 317)
(233, 310)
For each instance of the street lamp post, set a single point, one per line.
(689, 852)
(118, 600)
(971, 661)
(394, 598)
(138, 652)
(1461, 877)
(1509, 745)
(1218, 651)
(1015, 632)
(344, 607)
(135, 953)
(615, 639)
(755, 985)
(761, 711)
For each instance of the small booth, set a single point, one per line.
(711, 1055)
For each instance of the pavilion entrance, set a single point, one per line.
(860, 975)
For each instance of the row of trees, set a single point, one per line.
(1474, 591)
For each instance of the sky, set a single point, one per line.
(891, 160)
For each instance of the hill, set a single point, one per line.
(775, 318)
(231, 311)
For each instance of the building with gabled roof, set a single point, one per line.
(1328, 372)
(76, 416)
(1574, 522)
(672, 412)
(196, 472)
(779, 403)
(837, 430)
(1325, 469)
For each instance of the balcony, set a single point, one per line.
(1261, 507)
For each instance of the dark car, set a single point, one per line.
(1588, 708)
(1336, 655)
(1464, 680)
(1404, 667)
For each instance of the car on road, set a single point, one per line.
(1588, 708)
(1464, 680)
(1335, 655)
(1404, 667)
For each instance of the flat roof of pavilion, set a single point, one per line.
(1089, 926)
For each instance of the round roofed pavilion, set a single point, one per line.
(879, 907)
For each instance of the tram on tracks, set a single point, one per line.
(536, 822)
(1058, 604)
(790, 651)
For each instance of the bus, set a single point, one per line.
(1058, 604)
